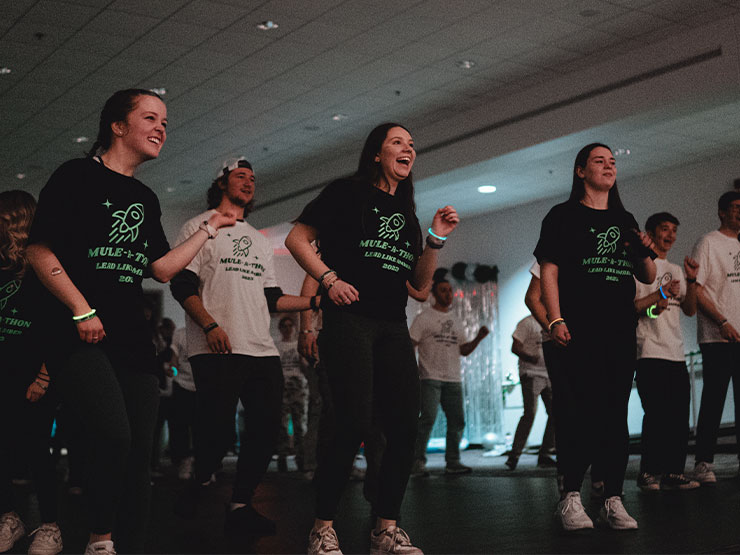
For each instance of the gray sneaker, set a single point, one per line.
(571, 514)
(323, 541)
(704, 474)
(615, 515)
(457, 468)
(11, 529)
(392, 540)
(47, 540)
(648, 482)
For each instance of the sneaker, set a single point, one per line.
(615, 515)
(543, 461)
(457, 468)
(392, 540)
(100, 548)
(704, 474)
(185, 469)
(246, 520)
(677, 482)
(47, 540)
(571, 513)
(419, 469)
(323, 542)
(11, 528)
(648, 482)
(511, 462)
(597, 489)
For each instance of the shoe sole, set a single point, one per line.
(605, 524)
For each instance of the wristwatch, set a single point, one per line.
(209, 229)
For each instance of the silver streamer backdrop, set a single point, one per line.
(476, 305)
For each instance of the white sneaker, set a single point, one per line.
(47, 540)
(323, 542)
(615, 515)
(392, 540)
(104, 547)
(11, 529)
(704, 474)
(185, 470)
(571, 513)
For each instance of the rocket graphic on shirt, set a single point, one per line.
(7, 291)
(241, 246)
(126, 223)
(390, 226)
(608, 240)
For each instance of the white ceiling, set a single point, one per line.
(233, 89)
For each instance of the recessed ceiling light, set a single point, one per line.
(5, 70)
(487, 189)
(161, 91)
(20, 175)
(81, 139)
(170, 189)
(622, 152)
(466, 64)
(339, 117)
(590, 12)
(268, 25)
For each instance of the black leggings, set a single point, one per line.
(25, 430)
(591, 389)
(373, 381)
(117, 406)
(221, 381)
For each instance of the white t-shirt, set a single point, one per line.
(290, 360)
(529, 333)
(661, 337)
(234, 269)
(184, 376)
(719, 273)
(439, 335)
(534, 269)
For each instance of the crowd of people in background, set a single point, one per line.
(77, 331)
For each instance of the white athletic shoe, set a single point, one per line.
(104, 547)
(11, 529)
(392, 540)
(323, 541)
(571, 513)
(615, 515)
(47, 540)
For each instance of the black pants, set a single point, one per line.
(664, 390)
(182, 423)
(720, 363)
(373, 382)
(25, 428)
(117, 406)
(591, 389)
(220, 381)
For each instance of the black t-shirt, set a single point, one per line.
(27, 318)
(105, 229)
(595, 273)
(367, 236)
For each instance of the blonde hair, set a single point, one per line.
(16, 214)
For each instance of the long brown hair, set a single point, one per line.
(16, 214)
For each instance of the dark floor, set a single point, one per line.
(491, 510)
